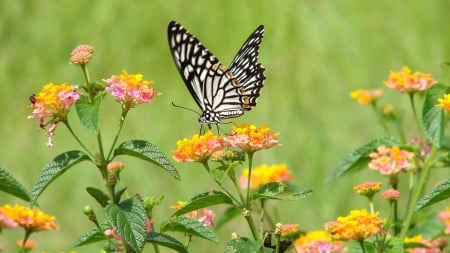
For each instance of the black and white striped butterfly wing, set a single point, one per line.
(247, 70)
(192, 60)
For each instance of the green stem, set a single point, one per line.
(232, 176)
(251, 224)
(277, 243)
(121, 122)
(419, 126)
(417, 191)
(206, 166)
(361, 244)
(66, 123)
(25, 239)
(250, 162)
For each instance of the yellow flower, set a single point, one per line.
(368, 188)
(198, 149)
(366, 96)
(405, 81)
(29, 219)
(250, 138)
(444, 102)
(358, 225)
(264, 174)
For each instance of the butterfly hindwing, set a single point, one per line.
(219, 92)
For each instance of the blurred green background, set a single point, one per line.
(314, 52)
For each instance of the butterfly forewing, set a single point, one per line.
(219, 92)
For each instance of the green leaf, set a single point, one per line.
(101, 197)
(359, 157)
(148, 152)
(189, 226)
(441, 192)
(56, 168)
(11, 186)
(242, 245)
(166, 241)
(128, 219)
(432, 116)
(281, 191)
(229, 214)
(119, 192)
(91, 236)
(204, 200)
(88, 113)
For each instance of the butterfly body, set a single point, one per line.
(220, 92)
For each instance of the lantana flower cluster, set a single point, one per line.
(206, 218)
(391, 160)
(317, 242)
(31, 220)
(364, 96)
(358, 225)
(408, 81)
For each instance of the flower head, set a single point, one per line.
(405, 81)
(81, 54)
(391, 194)
(198, 149)
(52, 105)
(29, 219)
(358, 225)
(317, 242)
(444, 102)
(131, 90)
(368, 188)
(115, 166)
(366, 96)
(390, 160)
(436, 245)
(250, 138)
(264, 174)
(206, 218)
(289, 230)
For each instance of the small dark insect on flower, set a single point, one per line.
(32, 99)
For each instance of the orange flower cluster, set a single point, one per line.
(390, 160)
(444, 102)
(368, 188)
(264, 174)
(30, 219)
(405, 81)
(131, 90)
(444, 216)
(198, 149)
(358, 225)
(317, 242)
(207, 217)
(289, 230)
(250, 138)
(366, 96)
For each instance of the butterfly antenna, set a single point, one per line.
(182, 107)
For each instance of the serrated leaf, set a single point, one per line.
(128, 219)
(189, 226)
(148, 152)
(91, 236)
(359, 157)
(281, 191)
(88, 113)
(219, 173)
(119, 192)
(101, 197)
(11, 186)
(396, 244)
(242, 245)
(56, 168)
(432, 116)
(229, 214)
(166, 241)
(204, 200)
(441, 192)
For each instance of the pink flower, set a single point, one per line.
(131, 90)
(81, 54)
(390, 161)
(444, 216)
(391, 194)
(207, 217)
(250, 138)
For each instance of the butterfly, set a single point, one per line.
(220, 92)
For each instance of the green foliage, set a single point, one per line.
(91, 236)
(189, 226)
(166, 241)
(89, 113)
(433, 117)
(148, 152)
(58, 166)
(128, 219)
(439, 193)
(204, 200)
(101, 197)
(281, 191)
(11, 186)
(242, 245)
